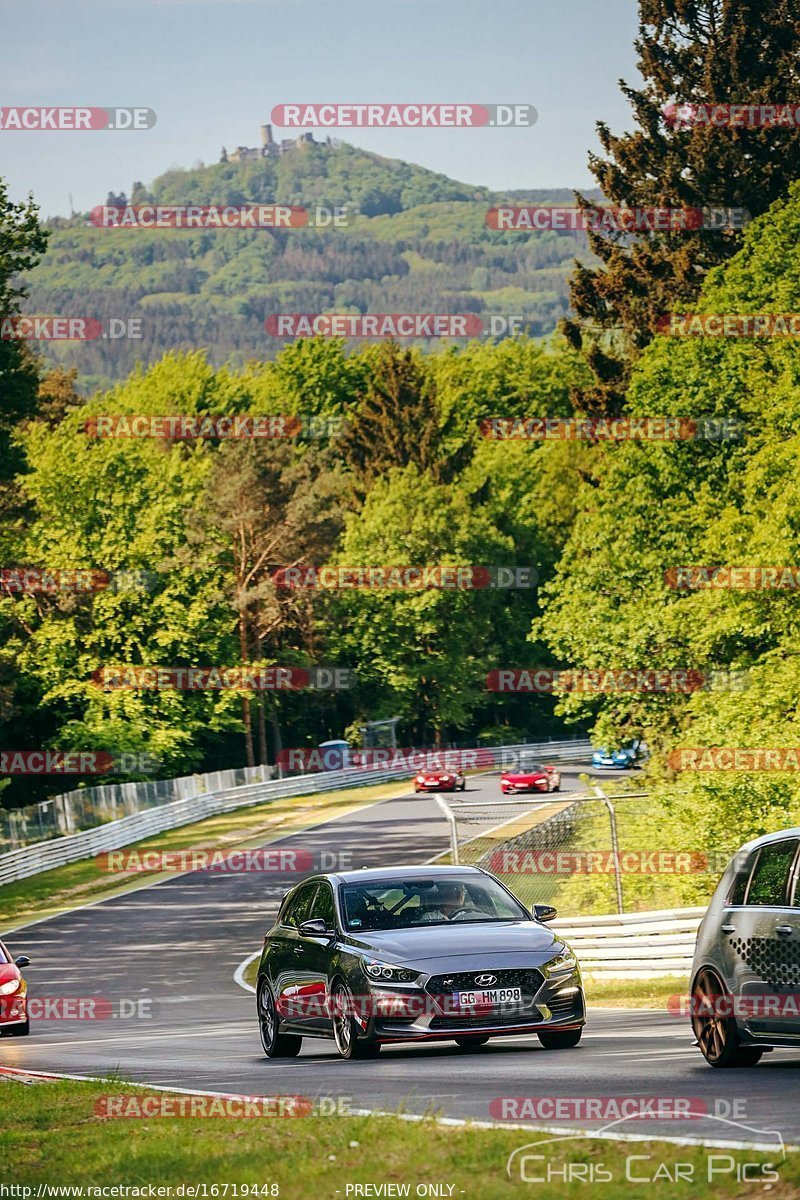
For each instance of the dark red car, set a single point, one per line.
(440, 781)
(13, 995)
(530, 778)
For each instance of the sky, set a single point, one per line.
(213, 70)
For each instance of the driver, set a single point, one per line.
(450, 899)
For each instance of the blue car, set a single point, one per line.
(615, 760)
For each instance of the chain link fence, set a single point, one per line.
(582, 853)
(87, 808)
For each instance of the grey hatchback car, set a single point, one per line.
(412, 954)
(745, 995)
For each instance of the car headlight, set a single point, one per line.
(390, 974)
(8, 989)
(420, 779)
(562, 964)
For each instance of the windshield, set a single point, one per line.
(525, 764)
(402, 904)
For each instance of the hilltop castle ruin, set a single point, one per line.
(269, 148)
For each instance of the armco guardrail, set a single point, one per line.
(636, 945)
(57, 852)
(43, 856)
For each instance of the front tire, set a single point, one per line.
(345, 1028)
(21, 1030)
(717, 1036)
(559, 1039)
(275, 1044)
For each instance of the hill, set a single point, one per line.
(415, 241)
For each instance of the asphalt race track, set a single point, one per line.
(176, 947)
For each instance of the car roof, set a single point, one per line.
(377, 874)
(780, 836)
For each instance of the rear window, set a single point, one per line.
(768, 885)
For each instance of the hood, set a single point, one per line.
(468, 940)
(523, 776)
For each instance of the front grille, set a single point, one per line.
(528, 980)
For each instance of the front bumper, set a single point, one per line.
(13, 1010)
(411, 1014)
(526, 787)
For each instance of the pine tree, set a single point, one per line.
(693, 52)
(395, 420)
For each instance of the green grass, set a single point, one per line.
(634, 993)
(83, 882)
(50, 1133)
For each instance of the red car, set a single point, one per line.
(440, 781)
(13, 995)
(529, 778)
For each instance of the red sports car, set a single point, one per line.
(13, 995)
(440, 781)
(530, 778)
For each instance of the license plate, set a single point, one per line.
(481, 998)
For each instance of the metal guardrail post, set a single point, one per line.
(451, 820)
(612, 815)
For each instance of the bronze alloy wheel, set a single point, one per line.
(715, 1030)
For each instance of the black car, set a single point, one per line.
(406, 954)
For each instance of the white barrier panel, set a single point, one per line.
(642, 945)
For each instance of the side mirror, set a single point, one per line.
(315, 928)
(544, 912)
(22, 961)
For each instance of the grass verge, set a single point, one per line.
(83, 882)
(50, 1133)
(635, 993)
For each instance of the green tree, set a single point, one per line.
(661, 506)
(696, 52)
